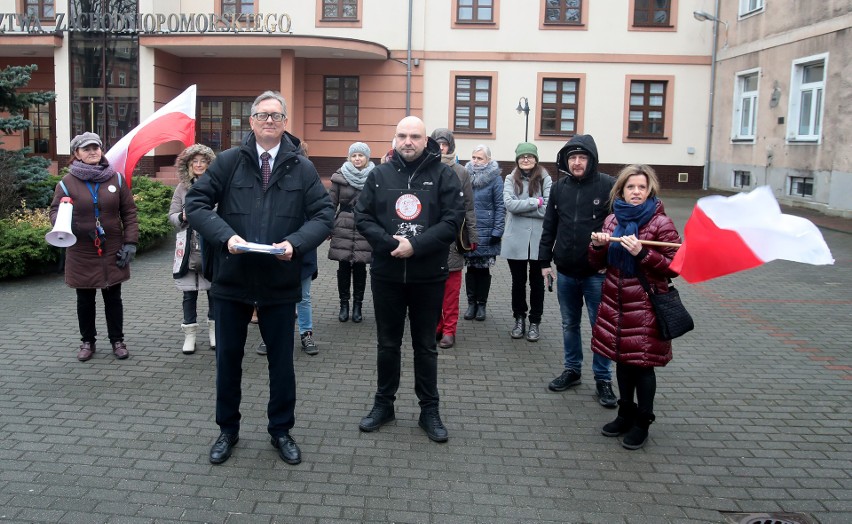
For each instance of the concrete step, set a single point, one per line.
(167, 175)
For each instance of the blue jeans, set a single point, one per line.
(304, 309)
(571, 292)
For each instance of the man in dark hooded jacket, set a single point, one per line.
(410, 211)
(578, 205)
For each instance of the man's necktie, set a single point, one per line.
(265, 169)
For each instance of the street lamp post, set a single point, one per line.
(702, 16)
(524, 107)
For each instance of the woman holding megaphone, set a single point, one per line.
(104, 222)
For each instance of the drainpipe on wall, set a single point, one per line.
(408, 61)
(705, 183)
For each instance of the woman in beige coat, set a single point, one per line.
(191, 163)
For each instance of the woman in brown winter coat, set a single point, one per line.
(104, 222)
(348, 246)
(626, 327)
(191, 163)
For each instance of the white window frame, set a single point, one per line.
(793, 181)
(737, 179)
(741, 99)
(797, 89)
(750, 7)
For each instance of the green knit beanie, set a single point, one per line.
(526, 148)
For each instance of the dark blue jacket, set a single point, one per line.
(490, 212)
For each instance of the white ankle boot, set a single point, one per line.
(211, 327)
(190, 331)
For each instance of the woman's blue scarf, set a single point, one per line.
(630, 219)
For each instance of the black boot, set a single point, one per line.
(638, 434)
(344, 279)
(470, 287)
(480, 311)
(483, 286)
(623, 422)
(359, 284)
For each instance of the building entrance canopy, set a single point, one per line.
(264, 46)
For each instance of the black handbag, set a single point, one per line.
(673, 320)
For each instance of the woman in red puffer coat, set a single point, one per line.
(626, 327)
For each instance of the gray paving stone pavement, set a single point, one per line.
(753, 414)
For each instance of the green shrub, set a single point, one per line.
(23, 250)
(152, 203)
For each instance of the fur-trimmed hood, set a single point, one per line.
(184, 158)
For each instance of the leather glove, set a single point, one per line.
(125, 255)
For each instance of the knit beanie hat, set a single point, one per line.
(359, 147)
(575, 149)
(526, 148)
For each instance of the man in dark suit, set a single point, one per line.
(266, 193)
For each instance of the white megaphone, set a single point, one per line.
(61, 235)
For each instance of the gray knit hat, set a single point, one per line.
(359, 147)
(84, 140)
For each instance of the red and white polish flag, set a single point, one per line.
(173, 121)
(729, 234)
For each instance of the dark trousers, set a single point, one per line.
(518, 269)
(113, 309)
(422, 302)
(477, 284)
(354, 273)
(639, 380)
(190, 307)
(276, 328)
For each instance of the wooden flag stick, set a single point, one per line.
(648, 242)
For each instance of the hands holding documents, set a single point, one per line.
(282, 250)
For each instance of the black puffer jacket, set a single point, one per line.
(432, 226)
(295, 207)
(576, 208)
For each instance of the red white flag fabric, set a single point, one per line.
(729, 234)
(173, 121)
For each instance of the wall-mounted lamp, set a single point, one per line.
(524, 107)
(703, 16)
